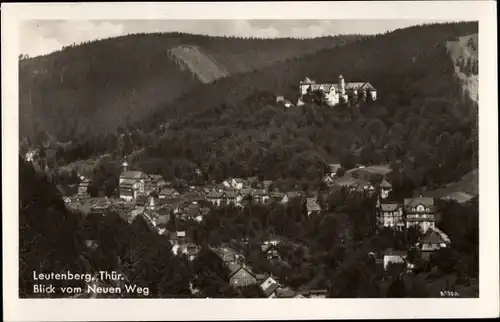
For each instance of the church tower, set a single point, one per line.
(124, 166)
(341, 85)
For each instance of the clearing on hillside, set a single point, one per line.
(204, 67)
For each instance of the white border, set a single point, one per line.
(155, 309)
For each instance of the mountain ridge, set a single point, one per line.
(97, 86)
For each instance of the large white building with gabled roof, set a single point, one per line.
(336, 93)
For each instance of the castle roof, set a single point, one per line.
(134, 175)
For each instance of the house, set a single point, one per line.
(390, 215)
(152, 203)
(161, 222)
(434, 239)
(157, 180)
(288, 103)
(192, 212)
(280, 99)
(167, 193)
(229, 196)
(292, 195)
(228, 255)
(270, 288)
(270, 251)
(251, 182)
(83, 187)
(312, 206)
(385, 189)
(189, 250)
(421, 212)
(175, 204)
(226, 183)
(241, 275)
(195, 197)
(31, 155)
(285, 292)
(260, 196)
(276, 196)
(362, 186)
(328, 179)
(339, 92)
(131, 183)
(141, 200)
(237, 183)
(215, 197)
(394, 257)
(178, 237)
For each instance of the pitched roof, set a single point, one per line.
(194, 196)
(168, 191)
(214, 194)
(385, 184)
(235, 268)
(433, 237)
(358, 85)
(134, 175)
(345, 181)
(307, 80)
(285, 293)
(276, 194)
(247, 191)
(389, 206)
(230, 193)
(163, 219)
(127, 182)
(156, 177)
(271, 289)
(424, 201)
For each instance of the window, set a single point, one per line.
(420, 208)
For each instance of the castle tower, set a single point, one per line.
(124, 166)
(341, 85)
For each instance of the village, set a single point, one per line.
(158, 202)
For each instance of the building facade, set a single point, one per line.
(339, 92)
(421, 212)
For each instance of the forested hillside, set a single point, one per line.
(94, 87)
(422, 122)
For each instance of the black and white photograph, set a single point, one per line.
(258, 158)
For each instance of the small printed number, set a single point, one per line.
(449, 294)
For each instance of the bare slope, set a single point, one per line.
(464, 53)
(204, 67)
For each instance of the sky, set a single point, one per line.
(40, 37)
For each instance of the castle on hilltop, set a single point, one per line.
(337, 93)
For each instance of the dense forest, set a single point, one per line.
(91, 88)
(423, 124)
(330, 251)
